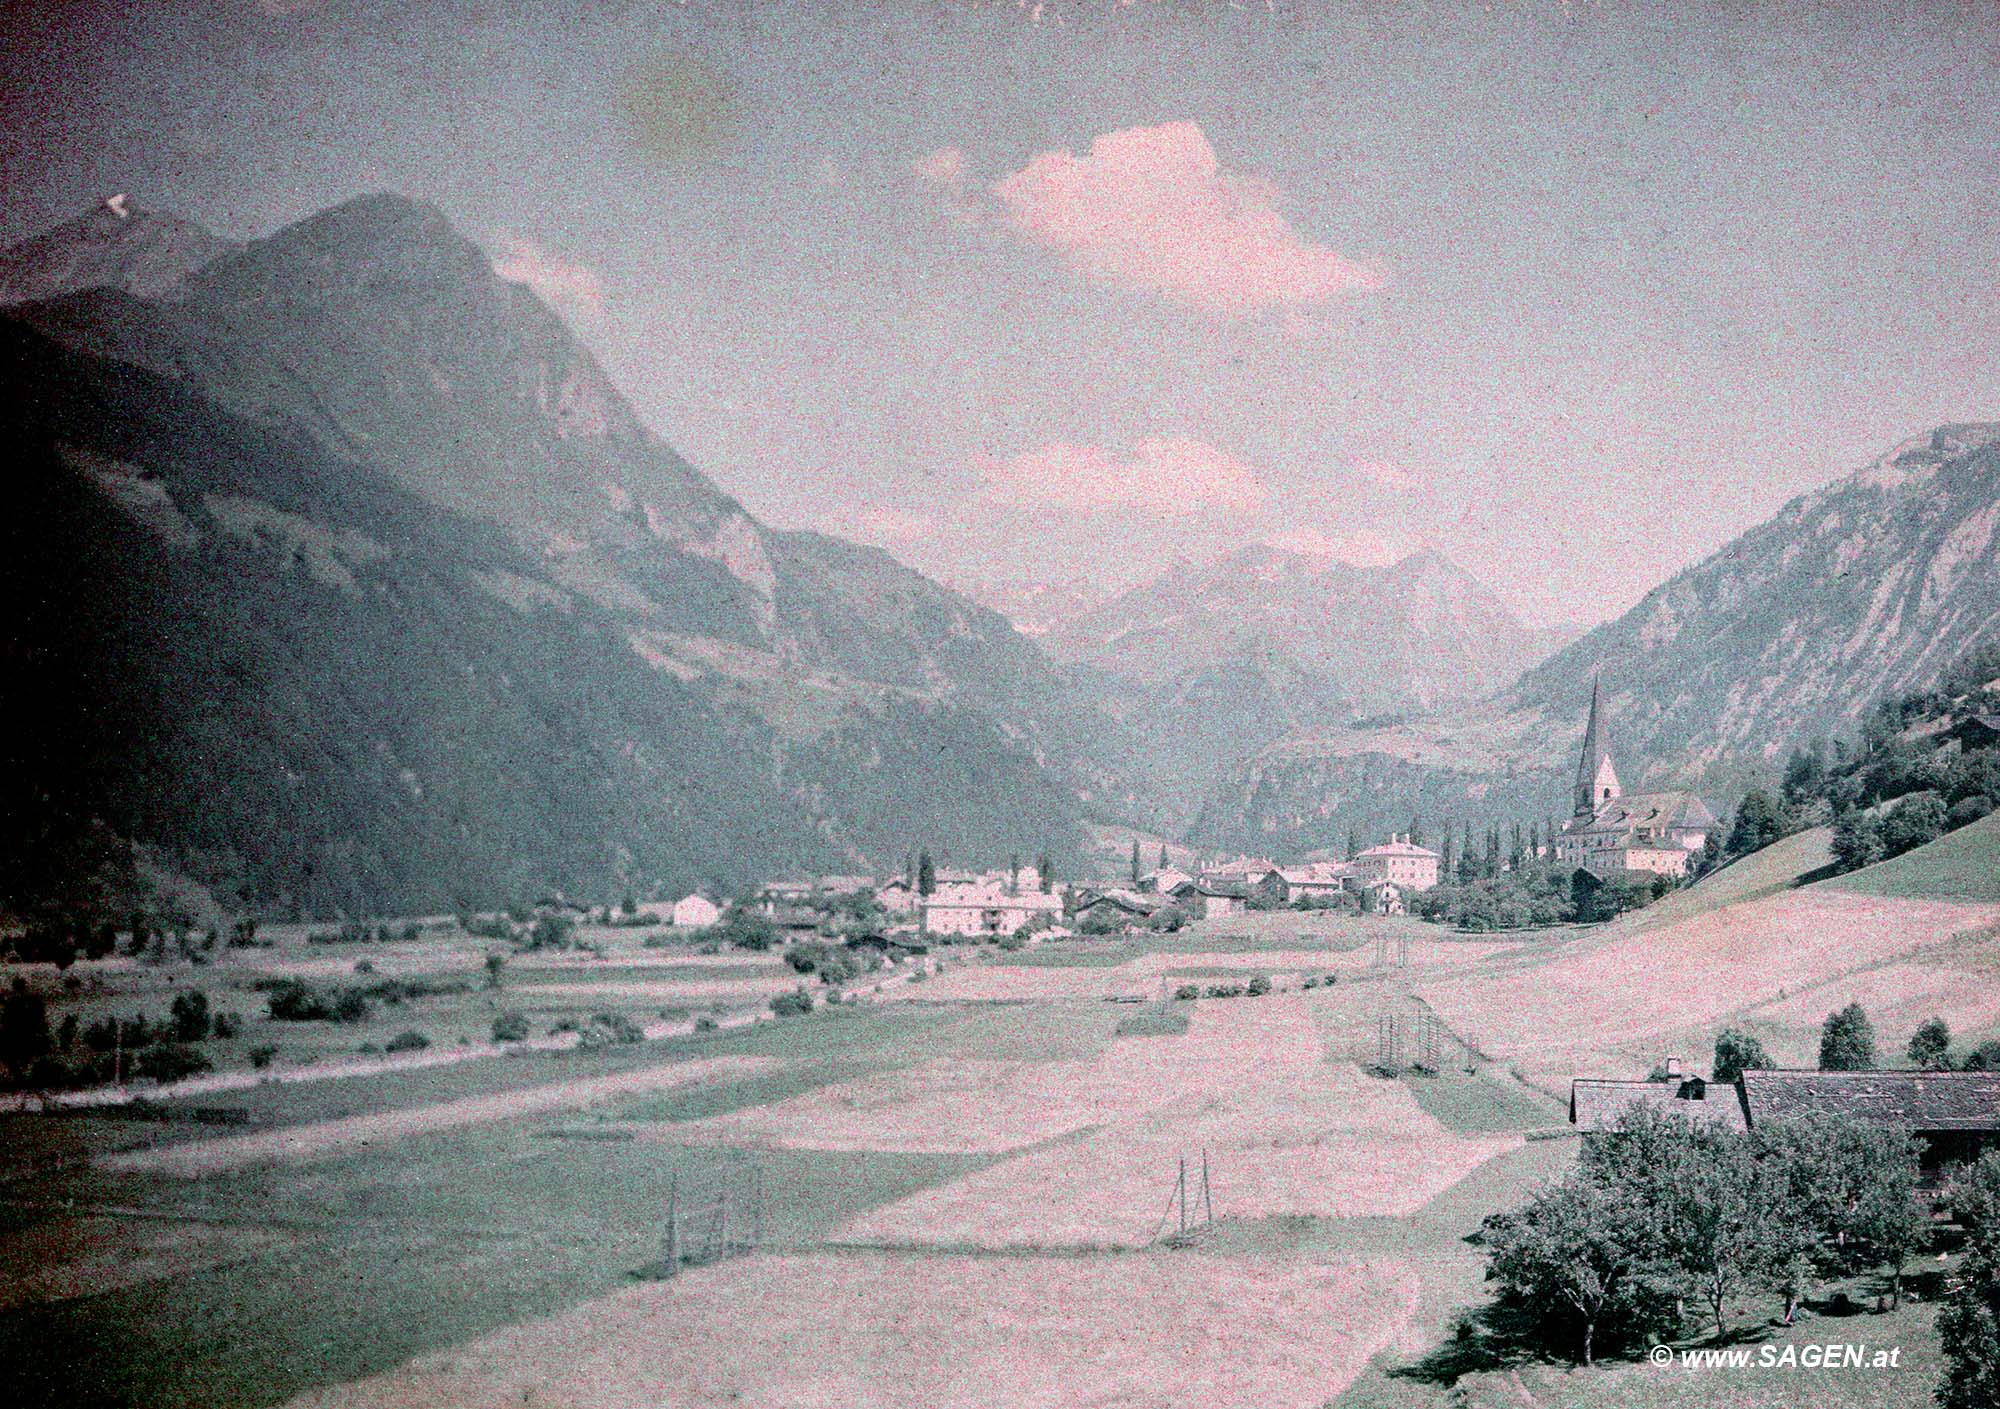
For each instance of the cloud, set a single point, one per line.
(1386, 474)
(884, 524)
(1363, 548)
(569, 287)
(1152, 208)
(942, 175)
(1165, 477)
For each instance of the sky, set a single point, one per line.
(1061, 293)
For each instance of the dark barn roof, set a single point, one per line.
(1914, 1100)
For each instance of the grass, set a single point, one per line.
(1479, 1105)
(1159, 1020)
(1960, 865)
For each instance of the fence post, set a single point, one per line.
(1207, 1203)
(1181, 1195)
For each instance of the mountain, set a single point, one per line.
(113, 245)
(1212, 663)
(344, 577)
(1867, 587)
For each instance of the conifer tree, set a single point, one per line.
(1135, 861)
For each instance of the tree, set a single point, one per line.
(1353, 844)
(745, 928)
(1735, 1053)
(1888, 1217)
(1578, 1245)
(24, 1028)
(1135, 861)
(629, 905)
(1444, 856)
(1758, 823)
(1416, 830)
(190, 1016)
(926, 874)
(1047, 870)
(1930, 1045)
(1968, 1323)
(1163, 856)
(1857, 840)
(1916, 821)
(1847, 1041)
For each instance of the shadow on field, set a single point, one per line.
(1491, 1338)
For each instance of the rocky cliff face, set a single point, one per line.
(116, 245)
(1867, 587)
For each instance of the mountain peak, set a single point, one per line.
(117, 243)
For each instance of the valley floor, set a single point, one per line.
(959, 1191)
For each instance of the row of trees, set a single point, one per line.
(1847, 1043)
(1665, 1214)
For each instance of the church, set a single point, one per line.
(1611, 830)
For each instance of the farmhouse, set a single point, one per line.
(1597, 1106)
(1208, 900)
(1611, 830)
(1955, 1113)
(695, 912)
(1383, 898)
(976, 908)
(1162, 881)
(1400, 862)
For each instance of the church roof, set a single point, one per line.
(1630, 811)
(1596, 745)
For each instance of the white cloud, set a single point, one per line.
(1160, 476)
(566, 285)
(1154, 208)
(1361, 548)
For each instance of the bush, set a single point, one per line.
(1224, 990)
(227, 1025)
(364, 966)
(1735, 1053)
(796, 1004)
(1930, 1046)
(1186, 993)
(1847, 1041)
(294, 1000)
(172, 1061)
(263, 1055)
(609, 1030)
(704, 1023)
(552, 932)
(1013, 942)
(510, 1027)
(1259, 986)
(746, 929)
(408, 1040)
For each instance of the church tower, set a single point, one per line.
(1596, 779)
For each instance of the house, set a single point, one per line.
(898, 897)
(977, 909)
(1122, 906)
(1611, 831)
(1955, 1113)
(1598, 1106)
(695, 912)
(1162, 881)
(1320, 880)
(1400, 862)
(1208, 900)
(1979, 731)
(1383, 898)
(794, 921)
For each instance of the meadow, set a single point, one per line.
(963, 1183)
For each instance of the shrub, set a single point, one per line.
(172, 1061)
(364, 966)
(746, 929)
(408, 1040)
(552, 932)
(610, 1029)
(1186, 993)
(510, 1027)
(796, 1004)
(704, 1023)
(494, 964)
(1224, 990)
(227, 1025)
(262, 1055)
(294, 1000)
(1259, 986)
(1012, 942)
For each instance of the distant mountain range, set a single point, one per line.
(341, 574)
(1867, 587)
(1213, 662)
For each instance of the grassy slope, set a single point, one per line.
(1961, 865)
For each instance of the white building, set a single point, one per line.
(695, 912)
(977, 909)
(1401, 862)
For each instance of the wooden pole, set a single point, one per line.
(1181, 1195)
(1207, 1203)
(674, 1224)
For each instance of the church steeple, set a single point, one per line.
(1596, 779)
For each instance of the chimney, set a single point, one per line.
(1673, 1066)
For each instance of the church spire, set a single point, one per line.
(1596, 779)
